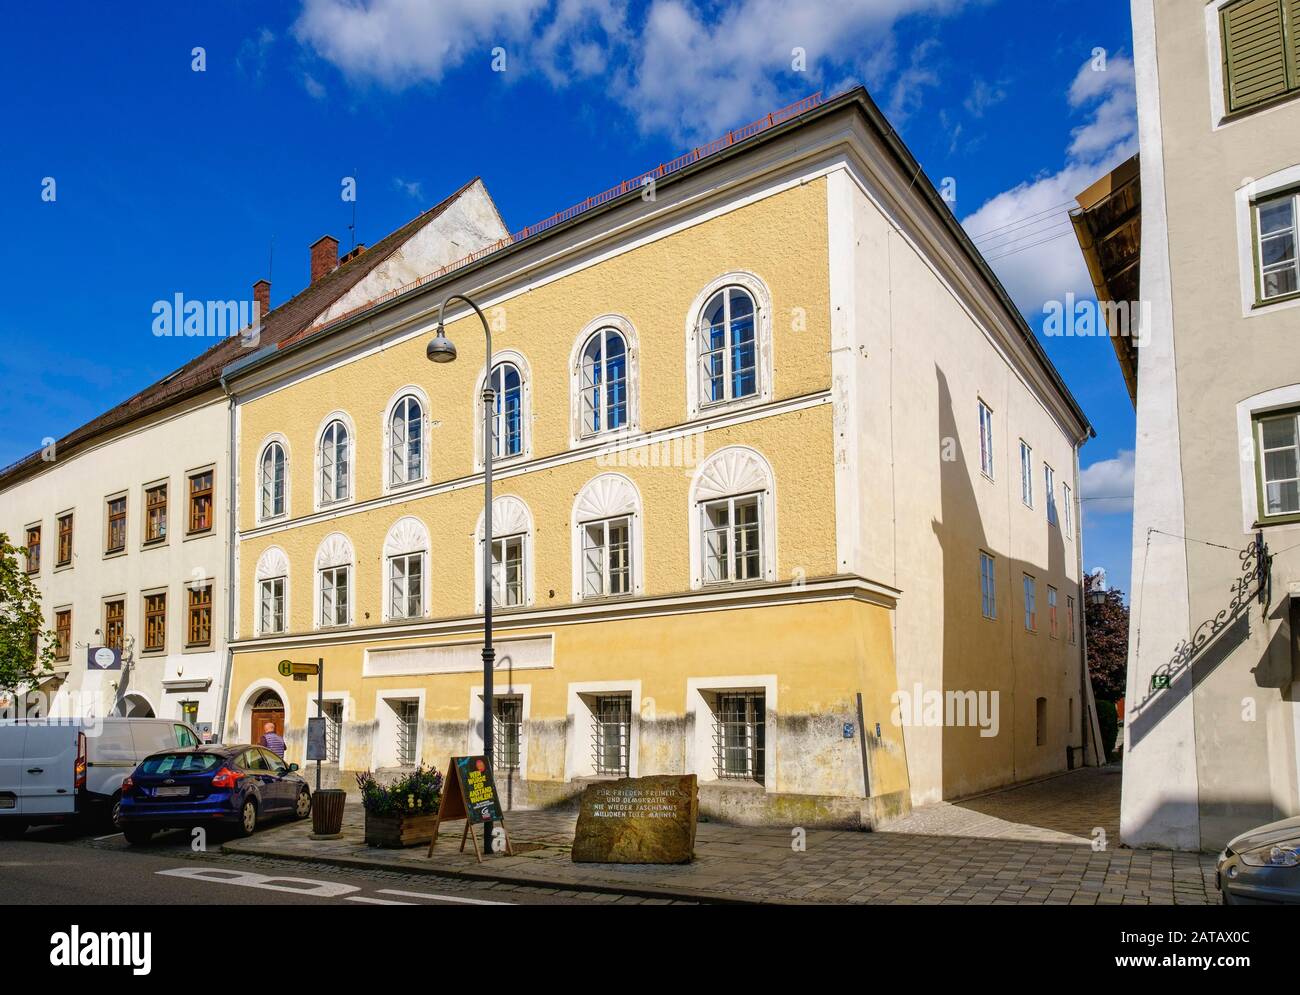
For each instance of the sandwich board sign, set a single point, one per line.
(469, 793)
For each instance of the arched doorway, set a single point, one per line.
(134, 706)
(267, 707)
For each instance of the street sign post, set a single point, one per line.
(316, 748)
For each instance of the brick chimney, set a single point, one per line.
(262, 295)
(324, 256)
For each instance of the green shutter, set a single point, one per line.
(1293, 40)
(1255, 52)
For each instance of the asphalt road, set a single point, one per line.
(59, 867)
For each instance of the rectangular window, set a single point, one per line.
(63, 634)
(988, 587)
(155, 622)
(271, 605)
(732, 540)
(198, 626)
(1261, 51)
(115, 540)
(1049, 492)
(507, 731)
(114, 623)
(1277, 262)
(155, 514)
(738, 736)
(406, 586)
(200, 502)
(33, 549)
(612, 736)
(333, 730)
(508, 571)
(1026, 474)
(1069, 509)
(606, 562)
(408, 730)
(334, 596)
(1069, 619)
(65, 541)
(1052, 626)
(1031, 607)
(1277, 459)
(1040, 722)
(986, 440)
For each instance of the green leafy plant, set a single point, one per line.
(1108, 720)
(26, 649)
(416, 793)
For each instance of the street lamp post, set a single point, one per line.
(441, 350)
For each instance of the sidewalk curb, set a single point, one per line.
(634, 890)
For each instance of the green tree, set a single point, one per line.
(26, 649)
(1107, 641)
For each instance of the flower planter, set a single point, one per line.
(396, 831)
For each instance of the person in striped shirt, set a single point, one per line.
(272, 740)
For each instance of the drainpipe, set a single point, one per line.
(230, 556)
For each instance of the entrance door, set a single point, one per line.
(267, 707)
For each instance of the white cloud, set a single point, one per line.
(1107, 485)
(982, 96)
(313, 86)
(693, 69)
(412, 188)
(1025, 231)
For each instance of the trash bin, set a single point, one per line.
(327, 813)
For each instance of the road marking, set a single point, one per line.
(376, 901)
(439, 898)
(100, 839)
(247, 879)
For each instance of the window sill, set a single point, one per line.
(153, 544)
(60, 567)
(1279, 520)
(198, 533)
(1261, 306)
(1243, 113)
(112, 554)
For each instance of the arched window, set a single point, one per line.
(603, 384)
(728, 347)
(335, 464)
(406, 551)
(733, 519)
(272, 478)
(508, 419)
(406, 441)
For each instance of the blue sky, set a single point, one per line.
(168, 180)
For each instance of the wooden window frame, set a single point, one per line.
(153, 614)
(194, 495)
(162, 506)
(59, 559)
(109, 518)
(191, 607)
(120, 643)
(32, 564)
(63, 634)
(1290, 42)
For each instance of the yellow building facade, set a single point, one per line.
(679, 584)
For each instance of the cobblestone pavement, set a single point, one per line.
(1028, 845)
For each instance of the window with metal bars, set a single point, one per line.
(408, 718)
(333, 730)
(738, 735)
(507, 732)
(612, 735)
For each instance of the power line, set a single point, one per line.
(1015, 221)
(1022, 232)
(1031, 245)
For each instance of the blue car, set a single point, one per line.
(234, 786)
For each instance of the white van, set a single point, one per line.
(54, 770)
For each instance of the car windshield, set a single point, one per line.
(181, 763)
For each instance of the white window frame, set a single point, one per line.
(581, 720)
(578, 433)
(505, 357)
(322, 502)
(608, 496)
(406, 561)
(987, 464)
(759, 293)
(414, 394)
(604, 525)
(262, 589)
(988, 586)
(272, 564)
(1026, 474)
(335, 552)
(407, 538)
(1067, 502)
(733, 472)
(332, 574)
(731, 502)
(1030, 585)
(506, 689)
(511, 519)
(1248, 195)
(1261, 461)
(283, 444)
(701, 696)
(1258, 248)
(1144, 35)
(1049, 493)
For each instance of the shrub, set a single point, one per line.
(416, 793)
(1108, 719)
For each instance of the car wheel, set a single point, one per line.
(10, 830)
(303, 808)
(117, 811)
(247, 818)
(137, 835)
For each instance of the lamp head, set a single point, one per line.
(440, 349)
